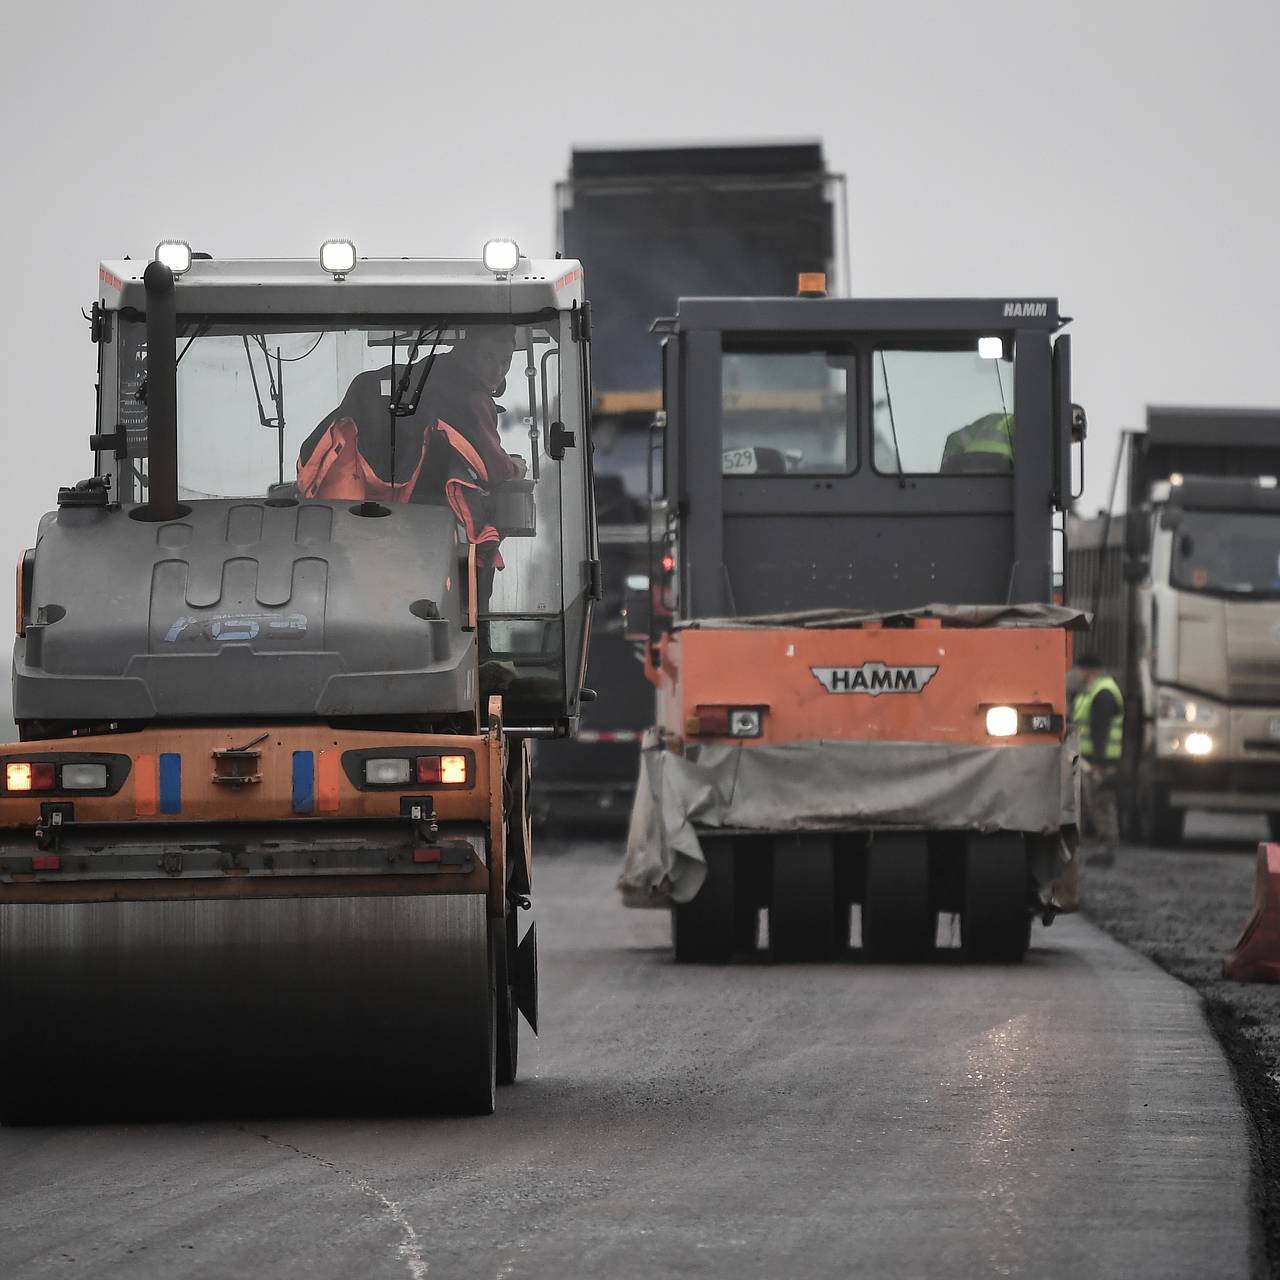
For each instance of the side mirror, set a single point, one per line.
(1136, 569)
(1137, 534)
(1079, 424)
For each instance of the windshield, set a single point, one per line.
(1227, 553)
(254, 399)
(943, 411)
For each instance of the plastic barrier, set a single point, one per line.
(1256, 957)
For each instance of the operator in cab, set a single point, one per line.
(425, 431)
(983, 447)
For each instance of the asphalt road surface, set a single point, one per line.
(1071, 1117)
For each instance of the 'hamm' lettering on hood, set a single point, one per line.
(873, 678)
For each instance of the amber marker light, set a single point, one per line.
(453, 769)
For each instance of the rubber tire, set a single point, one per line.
(508, 1028)
(479, 1093)
(1273, 827)
(1162, 825)
(899, 923)
(995, 917)
(703, 929)
(804, 913)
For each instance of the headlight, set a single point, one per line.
(1198, 744)
(1002, 722)
(386, 772)
(84, 777)
(1177, 708)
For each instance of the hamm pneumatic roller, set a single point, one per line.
(264, 838)
(861, 672)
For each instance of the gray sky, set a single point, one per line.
(1120, 155)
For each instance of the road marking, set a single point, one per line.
(410, 1247)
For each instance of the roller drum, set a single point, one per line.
(251, 1005)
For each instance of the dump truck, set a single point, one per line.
(655, 223)
(1185, 588)
(264, 836)
(861, 686)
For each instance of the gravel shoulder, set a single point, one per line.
(1185, 909)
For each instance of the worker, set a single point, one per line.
(446, 450)
(985, 445)
(1098, 715)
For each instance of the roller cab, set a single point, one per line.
(859, 666)
(277, 665)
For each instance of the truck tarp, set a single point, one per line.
(840, 786)
(951, 615)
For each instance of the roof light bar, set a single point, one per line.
(338, 258)
(174, 254)
(500, 256)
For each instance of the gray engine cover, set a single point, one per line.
(244, 609)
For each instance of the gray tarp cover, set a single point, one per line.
(840, 785)
(952, 615)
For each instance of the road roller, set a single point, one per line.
(861, 670)
(264, 838)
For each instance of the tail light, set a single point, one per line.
(30, 775)
(725, 722)
(449, 771)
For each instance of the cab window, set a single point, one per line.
(785, 413)
(944, 410)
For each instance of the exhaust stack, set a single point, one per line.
(162, 394)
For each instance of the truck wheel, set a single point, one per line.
(899, 924)
(995, 919)
(1273, 827)
(806, 922)
(702, 930)
(508, 1048)
(1161, 823)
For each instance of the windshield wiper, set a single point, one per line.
(399, 407)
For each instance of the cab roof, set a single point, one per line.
(799, 315)
(375, 286)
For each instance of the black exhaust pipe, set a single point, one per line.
(162, 394)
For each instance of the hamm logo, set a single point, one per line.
(874, 678)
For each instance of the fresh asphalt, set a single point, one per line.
(1070, 1117)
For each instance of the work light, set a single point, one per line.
(338, 257)
(501, 256)
(175, 254)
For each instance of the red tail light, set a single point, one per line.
(446, 770)
(37, 775)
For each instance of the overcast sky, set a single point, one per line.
(1122, 156)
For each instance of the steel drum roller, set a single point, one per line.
(264, 1005)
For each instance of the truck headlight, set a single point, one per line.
(1177, 708)
(1198, 744)
(1002, 722)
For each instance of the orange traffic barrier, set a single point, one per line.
(1256, 957)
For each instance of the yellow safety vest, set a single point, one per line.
(1082, 711)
